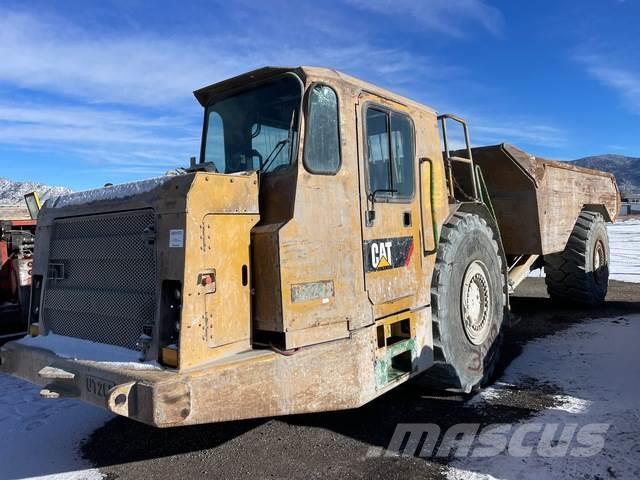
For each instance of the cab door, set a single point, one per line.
(390, 214)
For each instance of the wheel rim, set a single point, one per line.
(599, 261)
(475, 303)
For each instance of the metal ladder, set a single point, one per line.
(449, 159)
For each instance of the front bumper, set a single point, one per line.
(158, 397)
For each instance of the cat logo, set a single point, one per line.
(386, 253)
(381, 255)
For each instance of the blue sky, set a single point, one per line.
(95, 92)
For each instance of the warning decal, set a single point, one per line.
(176, 238)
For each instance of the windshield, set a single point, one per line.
(255, 129)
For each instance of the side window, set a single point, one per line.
(215, 141)
(379, 161)
(322, 143)
(402, 154)
(390, 161)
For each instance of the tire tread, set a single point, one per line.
(565, 272)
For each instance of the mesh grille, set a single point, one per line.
(101, 284)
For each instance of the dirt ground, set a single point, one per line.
(335, 444)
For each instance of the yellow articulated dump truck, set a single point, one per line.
(330, 244)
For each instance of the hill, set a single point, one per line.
(12, 193)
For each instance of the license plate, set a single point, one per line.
(98, 387)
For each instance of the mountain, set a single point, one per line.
(626, 169)
(12, 193)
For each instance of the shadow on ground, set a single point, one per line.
(336, 444)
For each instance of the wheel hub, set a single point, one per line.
(599, 260)
(475, 301)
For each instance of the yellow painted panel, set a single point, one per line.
(228, 308)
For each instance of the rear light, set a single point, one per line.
(170, 356)
(34, 329)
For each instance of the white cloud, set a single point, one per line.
(122, 100)
(525, 131)
(448, 17)
(624, 80)
(487, 127)
(55, 56)
(52, 55)
(29, 124)
(112, 139)
(524, 134)
(79, 116)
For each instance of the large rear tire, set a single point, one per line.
(467, 304)
(580, 274)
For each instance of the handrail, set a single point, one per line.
(449, 159)
(484, 193)
(461, 159)
(434, 223)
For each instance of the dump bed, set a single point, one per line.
(537, 201)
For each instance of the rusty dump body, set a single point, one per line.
(536, 200)
(207, 296)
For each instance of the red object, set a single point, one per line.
(16, 257)
(409, 255)
(16, 263)
(6, 291)
(22, 223)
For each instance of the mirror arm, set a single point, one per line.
(371, 199)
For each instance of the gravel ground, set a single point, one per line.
(336, 444)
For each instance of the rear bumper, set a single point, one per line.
(334, 375)
(156, 397)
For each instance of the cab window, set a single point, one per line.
(255, 128)
(322, 143)
(390, 153)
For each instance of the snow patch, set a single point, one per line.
(624, 244)
(115, 192)
(567, 403)
(79, 349)
(41, 438)
(490, 394)
(624, 249)
(596, 364)
(460, 474)
(12, 193)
